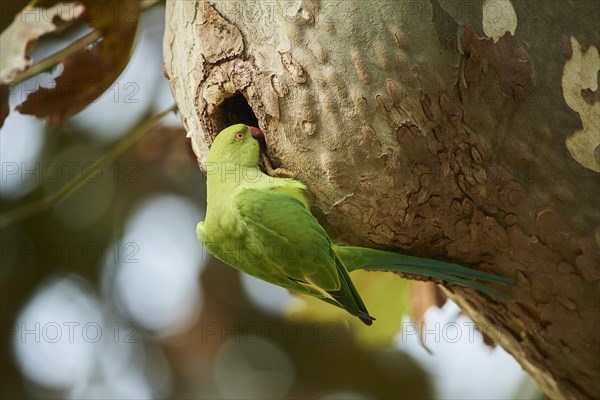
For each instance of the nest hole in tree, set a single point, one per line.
(233, 110)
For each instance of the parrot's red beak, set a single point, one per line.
(256, 133)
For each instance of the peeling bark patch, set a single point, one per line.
(224, 80)
(361, 70)
(430, 108)
(393, 91)
(319, 52)
(309, 127)
(499, 17)
(220, 39)
(579, 82)
(400, 39)
(513, 65)
(280, 88)
(292, 67)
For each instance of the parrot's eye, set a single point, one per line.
(239, 136)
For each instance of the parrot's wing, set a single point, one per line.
(281, 231)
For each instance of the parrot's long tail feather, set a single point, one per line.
(347, 296)
(371, 259)
(452, 279)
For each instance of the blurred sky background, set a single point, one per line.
(109, 294)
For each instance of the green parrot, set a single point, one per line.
(262, 225)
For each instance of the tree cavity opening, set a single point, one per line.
(234, 110)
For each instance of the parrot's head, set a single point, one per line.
(236, 144)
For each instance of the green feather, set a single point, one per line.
(381, 260)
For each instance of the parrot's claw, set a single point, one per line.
(275, 172)
(283, 173)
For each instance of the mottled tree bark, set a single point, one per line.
(465, 131)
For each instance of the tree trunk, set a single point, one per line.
(465, 131)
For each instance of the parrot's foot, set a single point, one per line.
(283, 173)
(275, 172)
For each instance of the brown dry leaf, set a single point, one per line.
(156, 143)
(4, 110)
(423, 296)
(28, 25)
(166, 147)
(90, 72)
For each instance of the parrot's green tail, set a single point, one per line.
(371, 259)
(347, 296)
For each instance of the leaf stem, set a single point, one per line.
(57, 57)
(51, 200)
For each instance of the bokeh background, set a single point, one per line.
(108, 294)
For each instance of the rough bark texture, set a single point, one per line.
(466, 131)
